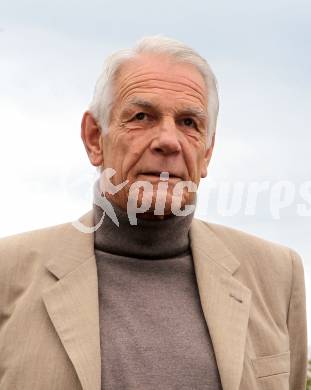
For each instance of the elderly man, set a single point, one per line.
(138, 294)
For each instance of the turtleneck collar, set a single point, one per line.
(149, 239)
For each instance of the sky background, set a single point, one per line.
(51, 56)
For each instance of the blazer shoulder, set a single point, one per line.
(250, 247)
(22, 258)
(22, 249)
(233, 236)
(32, 246)
(41, 238)
(263, 263)
(14, 242)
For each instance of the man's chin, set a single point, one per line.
(162, 204)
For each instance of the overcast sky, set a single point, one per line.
(52, 53)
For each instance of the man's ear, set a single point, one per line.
(207, 157)
(92, 138)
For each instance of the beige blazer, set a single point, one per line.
(252, 294)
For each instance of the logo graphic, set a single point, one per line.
(104, 186)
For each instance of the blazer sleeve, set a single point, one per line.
(297, 326)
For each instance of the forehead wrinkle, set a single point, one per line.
(175, 86)
(126, 92)
(202, 99)
(156, 76)
(139, 78)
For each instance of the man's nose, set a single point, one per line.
(166, 139)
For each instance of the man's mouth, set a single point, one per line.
(157, 174)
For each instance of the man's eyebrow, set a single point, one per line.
(194, 111)
(142, 103)
(186, 110)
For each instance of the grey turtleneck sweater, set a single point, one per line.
(152, 330)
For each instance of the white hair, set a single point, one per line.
(103, 97)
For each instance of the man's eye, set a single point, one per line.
(189, 122)
(140, 116)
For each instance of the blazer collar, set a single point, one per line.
(72, 301)
(73, 247)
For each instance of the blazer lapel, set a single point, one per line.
(225, 302)
(72, 302)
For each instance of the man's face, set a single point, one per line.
(158, 124)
